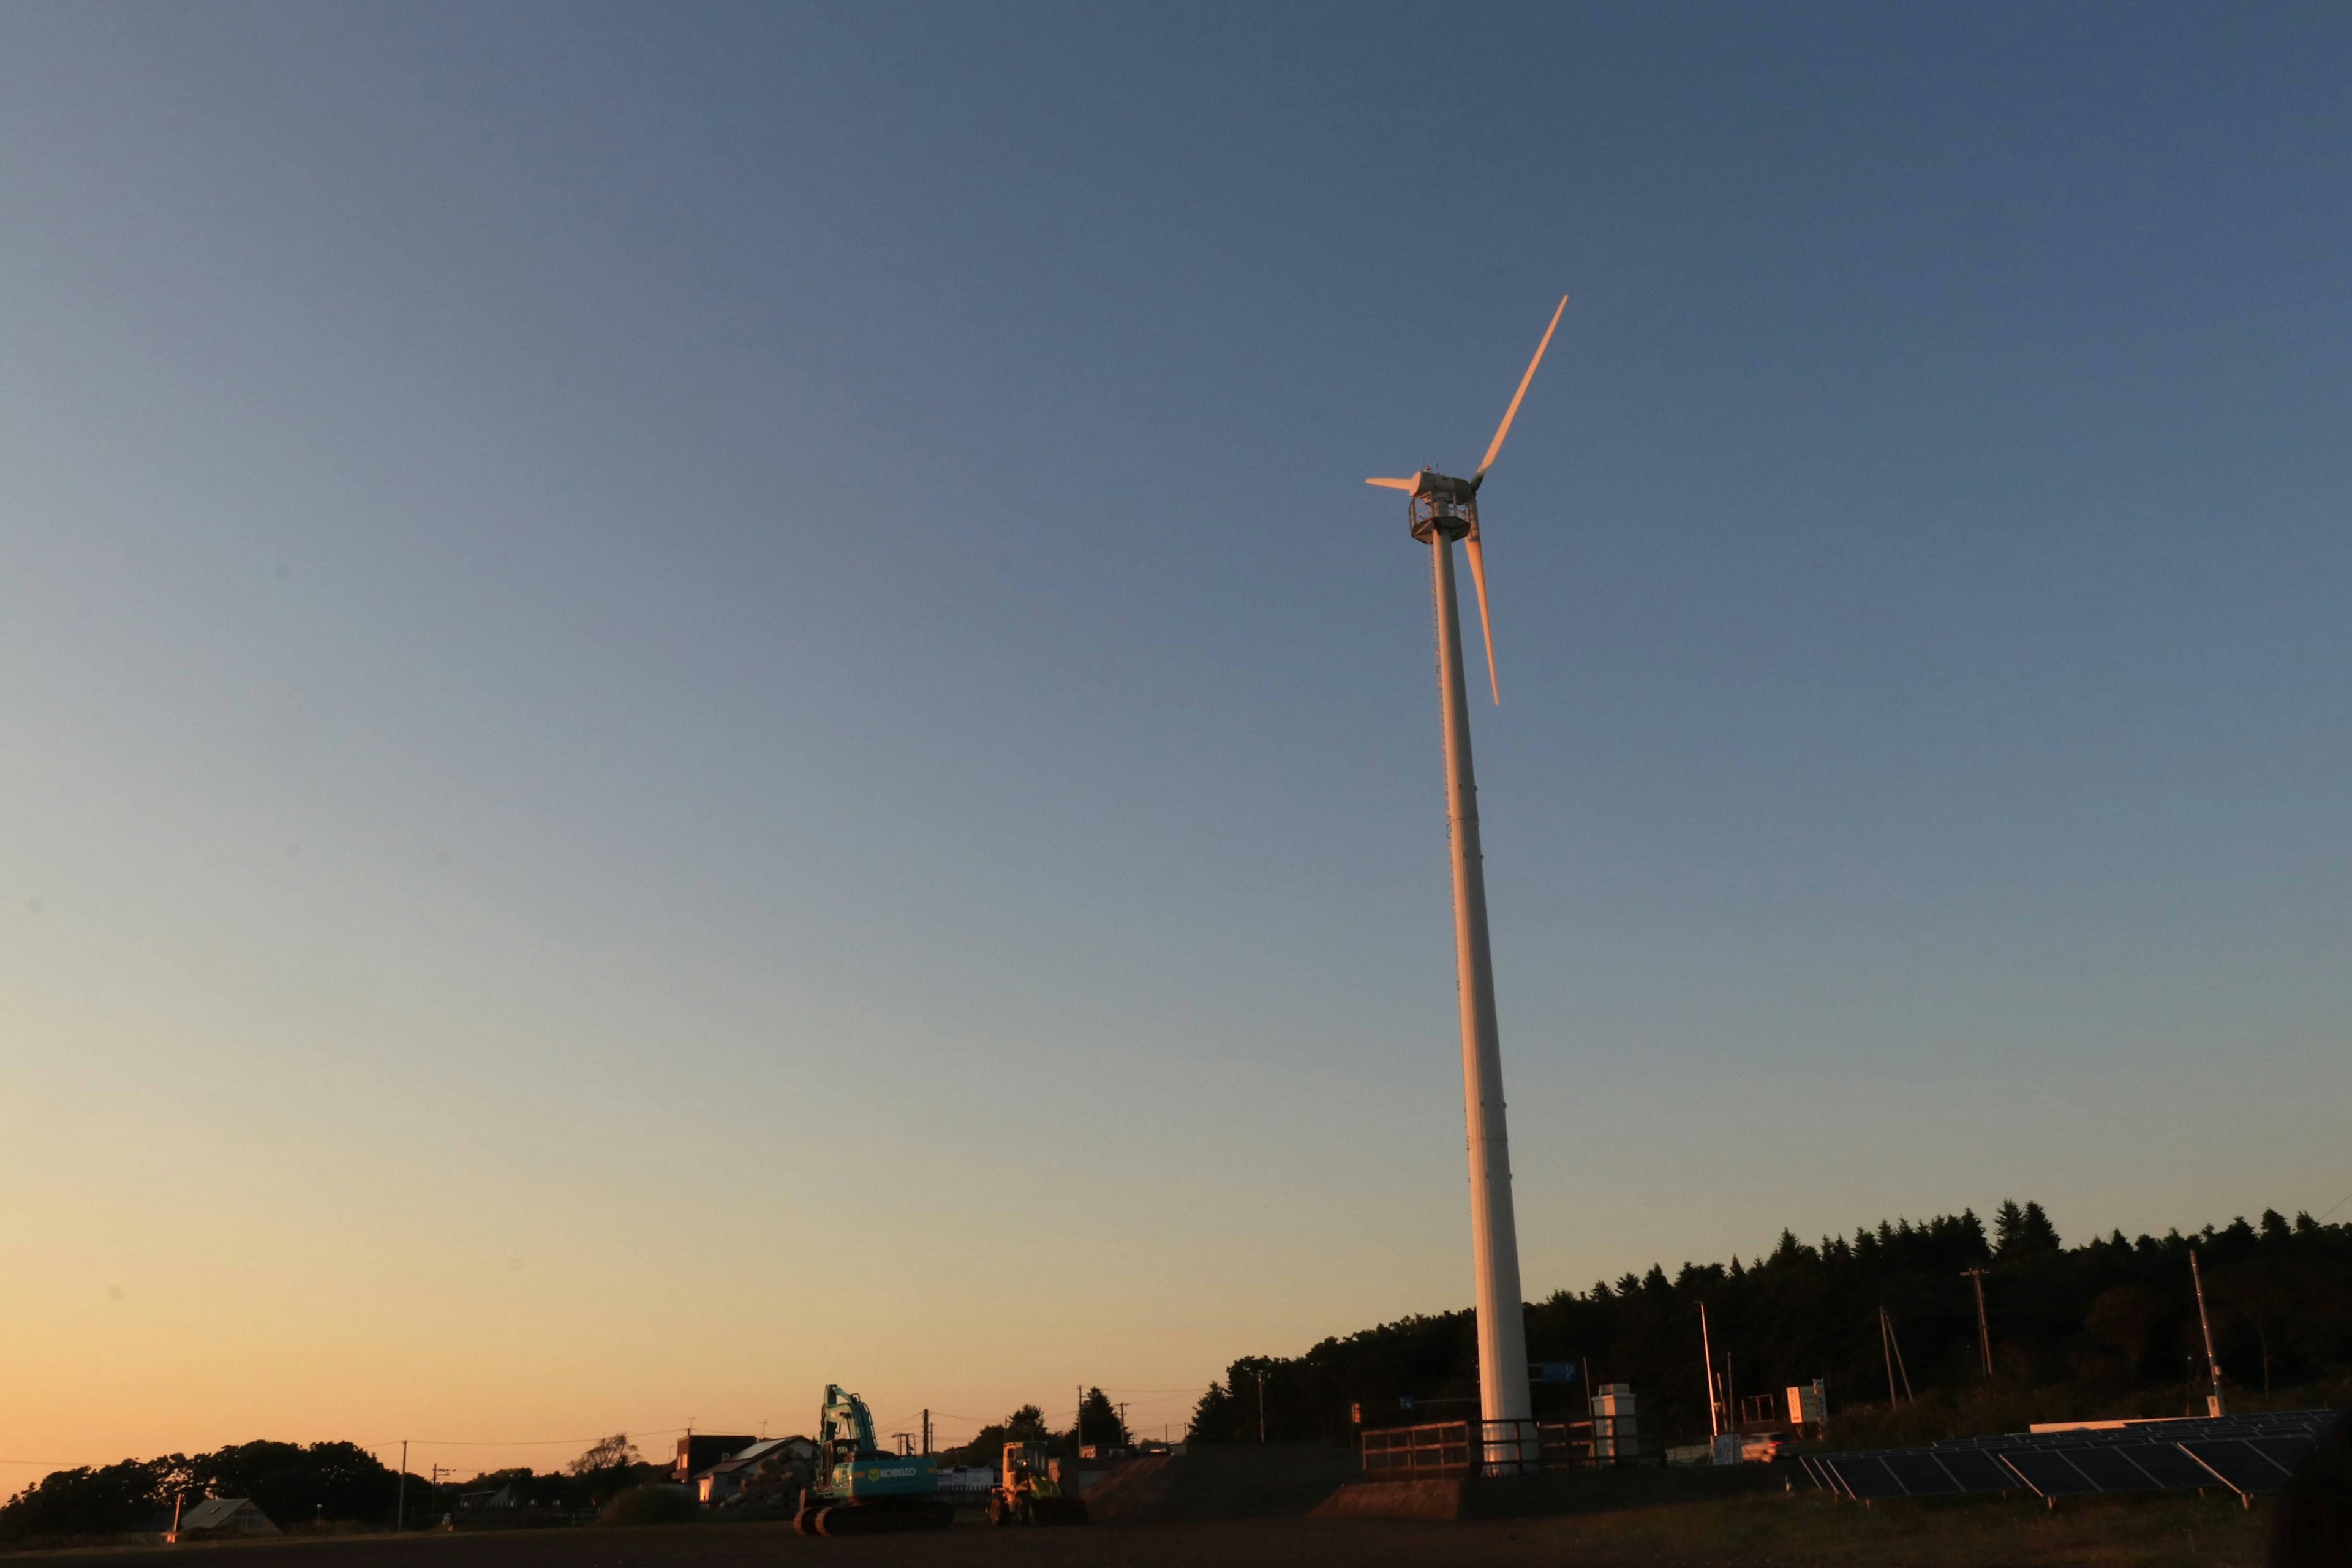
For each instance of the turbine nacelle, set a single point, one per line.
(1446, 505)
(1440, 503)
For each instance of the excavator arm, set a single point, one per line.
(845, 1427)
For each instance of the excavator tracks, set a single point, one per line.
(890, 1518)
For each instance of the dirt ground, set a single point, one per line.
(2147, 1532)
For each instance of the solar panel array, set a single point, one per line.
(2245, 1454)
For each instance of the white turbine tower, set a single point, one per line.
(1443, 510)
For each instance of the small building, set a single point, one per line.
(221, 1518)
(698, 1451)
(773, 1470)
(966, 1481)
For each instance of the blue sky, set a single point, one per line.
(665, 661)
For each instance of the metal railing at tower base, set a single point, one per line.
(1441, 1450)
(1512, 1448)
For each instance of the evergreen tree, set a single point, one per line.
(2008, 1223)
(1098, 1422)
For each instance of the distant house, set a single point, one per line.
(218, 1518)
(699, 1451)
(772, 1470)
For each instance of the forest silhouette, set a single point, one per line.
(2109, 1327)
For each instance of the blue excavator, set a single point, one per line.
(861, 1490)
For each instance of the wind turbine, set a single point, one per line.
(1442, 510)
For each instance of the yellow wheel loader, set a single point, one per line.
(1027, 1493)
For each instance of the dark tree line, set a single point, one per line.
(606, 1470)
(2108, 1326)
(1099, 1424)
(337, 1483)
(289, 1482)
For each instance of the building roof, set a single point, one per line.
(764, 1448)
(215, 1511)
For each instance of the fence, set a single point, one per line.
(1440, 1449)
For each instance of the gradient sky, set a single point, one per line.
(699, 700)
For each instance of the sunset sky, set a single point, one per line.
(700, 700)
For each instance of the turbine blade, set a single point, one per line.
(1513, 411)
(1479, 576)
(1408, 486)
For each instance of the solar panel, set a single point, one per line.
(2249, 1453)
(1976, 1471)
(1864, 1477)
(2243, 1467)
(2284, 1450)
(2172, 1430)
(2166, 1465)
(2109, 1466)
(1919, 1474)
(2049, 1472)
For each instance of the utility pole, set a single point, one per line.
(1261, 1405)
(1984, 1334)
(1707, 1350)
(1886, 1348)
(927, 1432)
(1123, 1432)
(1895, 1345)
(2212, 1367)
(1078, 1432)
(400, 1508)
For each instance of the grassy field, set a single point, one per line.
(1766, 1529)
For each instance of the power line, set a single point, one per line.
(1195, 1388)
(522, 1441)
